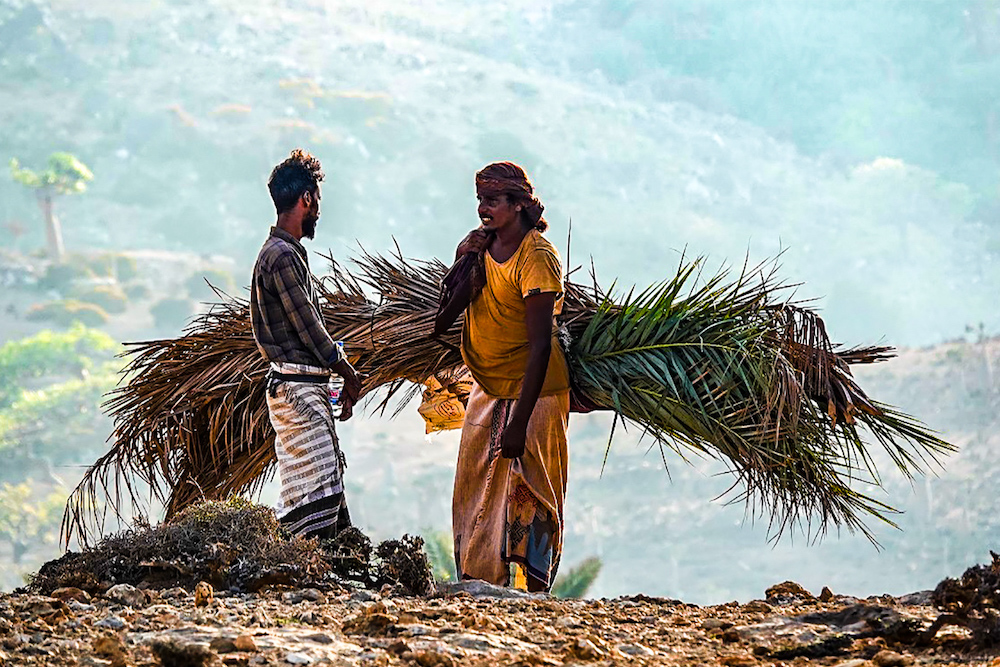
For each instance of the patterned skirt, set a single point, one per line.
(510, 511)
(310, 463)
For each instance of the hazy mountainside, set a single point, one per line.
(851, 81)
(181, 109)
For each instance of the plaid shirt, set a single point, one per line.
(284, 306)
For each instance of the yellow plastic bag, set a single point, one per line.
(443, 401)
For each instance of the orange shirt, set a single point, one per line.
(495, 335)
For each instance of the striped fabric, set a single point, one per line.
(310, 463)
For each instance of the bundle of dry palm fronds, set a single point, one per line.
(720, 365)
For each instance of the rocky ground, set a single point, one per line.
(469, 623)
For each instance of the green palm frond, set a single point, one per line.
(440, 555)
(576, 583)
(721, 365)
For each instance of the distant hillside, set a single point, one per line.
(181, 109)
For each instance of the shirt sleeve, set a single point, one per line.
(542, 272)
(290, 280)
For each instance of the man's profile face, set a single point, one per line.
(311, 216)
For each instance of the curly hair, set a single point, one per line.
(298, 174)
(509, 179)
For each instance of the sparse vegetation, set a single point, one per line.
(61, 277)
(172, 313)
(574, 583)
(66, 312)
(125, 268)
(137, 291)
(577, 581)
(440, 554)
(110, 298)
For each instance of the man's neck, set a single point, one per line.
(290, 224)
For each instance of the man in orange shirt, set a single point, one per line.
(510, 481)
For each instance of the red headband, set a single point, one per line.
(503, 186)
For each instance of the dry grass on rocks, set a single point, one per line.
(236, 545)
(972, 602)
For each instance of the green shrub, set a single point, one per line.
(200, 290)
(51, 353)
(126, 268)
(60, 277)
(136, 291)
(172, 313)
(576, 582)
(103, 265)
(100, 265)
(65, 312)
(441, 555)
(111, 298)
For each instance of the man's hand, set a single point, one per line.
(475, 241)
(346, 407)
(353, 382)
(348, 397)
(512, 440)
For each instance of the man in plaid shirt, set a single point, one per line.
(289, 332)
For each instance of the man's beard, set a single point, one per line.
(309, 227)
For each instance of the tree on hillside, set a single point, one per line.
(26, 521)
(49, 357)
(52, 385)
(65, 175)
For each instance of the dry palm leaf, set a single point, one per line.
(719, 365)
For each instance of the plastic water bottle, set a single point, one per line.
(336, 388)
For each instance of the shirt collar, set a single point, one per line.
(280, 233)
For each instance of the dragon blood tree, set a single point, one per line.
(65, 175)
